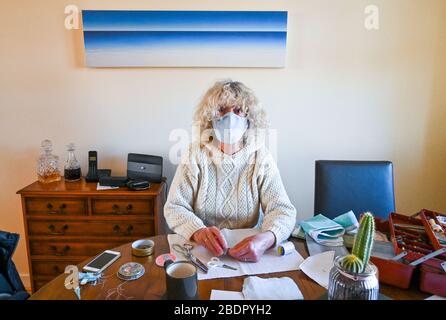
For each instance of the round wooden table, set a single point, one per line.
(151, 286)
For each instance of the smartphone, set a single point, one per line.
(102, 261)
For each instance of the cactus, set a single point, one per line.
(364, 238)
(352, 263)
(362, 246)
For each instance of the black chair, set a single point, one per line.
(11, 286)
(341, 186)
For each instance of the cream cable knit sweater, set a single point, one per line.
(211, 188)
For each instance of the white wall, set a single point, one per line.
(346, 93)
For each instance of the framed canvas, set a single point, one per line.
(185, 38)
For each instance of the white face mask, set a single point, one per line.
(230, 128)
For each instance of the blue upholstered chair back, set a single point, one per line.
(361, 186)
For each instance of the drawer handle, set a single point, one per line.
(128, 232)
(62, 253)
(50, 209)
(116, 210)
(53, 231)
(60, 211)
(56, 269)
(62, 207)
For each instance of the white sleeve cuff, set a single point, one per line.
(188, 229)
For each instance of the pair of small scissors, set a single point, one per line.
(186, 250)
(216, 262)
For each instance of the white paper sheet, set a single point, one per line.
(99, 187)
(233, 237)
(318, 267)
(284, 288)
(270, 262)
(226, 295)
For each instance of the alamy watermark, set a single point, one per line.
(72, 17)
(183, 139)
(72, 280)
(186, 144)
(371, 21)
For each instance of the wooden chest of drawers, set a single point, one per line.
(68, 222)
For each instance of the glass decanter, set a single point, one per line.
(48, 164)
(72, 169)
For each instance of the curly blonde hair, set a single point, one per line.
(228, 92)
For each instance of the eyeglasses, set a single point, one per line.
(237, 110)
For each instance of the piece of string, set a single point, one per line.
(102, 280)
(118, 292)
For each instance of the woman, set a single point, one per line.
(225, 180)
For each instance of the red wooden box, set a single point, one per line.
(432, 280)
(408, 234)
(427, 215)
(414, 236)
(394, 273)
(433, 271)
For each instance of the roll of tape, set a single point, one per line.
(143, 248)
(161, 259)
(286, 248)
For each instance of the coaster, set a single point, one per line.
(161, 259)
(131, 271)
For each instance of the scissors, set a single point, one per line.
(185, 249)
(216, 262)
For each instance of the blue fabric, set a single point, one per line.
(348, 221)
(5, 287)
(10, 283)
(360, 186)
(19, 295)
(328, 228)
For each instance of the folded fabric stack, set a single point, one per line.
(348, 221)
(326, 231)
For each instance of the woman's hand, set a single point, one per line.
(252, 248)
(211, 239)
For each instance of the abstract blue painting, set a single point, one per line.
(185, 38)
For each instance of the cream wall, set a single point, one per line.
(346, 93)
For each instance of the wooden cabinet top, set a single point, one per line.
(82, 187)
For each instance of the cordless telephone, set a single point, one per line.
(92, 175)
